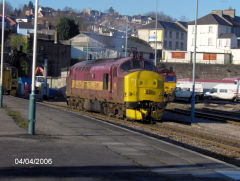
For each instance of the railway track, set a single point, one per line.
(216, 115)
(222, 148)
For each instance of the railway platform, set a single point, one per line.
(70, 146)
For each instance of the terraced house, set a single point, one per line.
(170, 35)
(218, 33)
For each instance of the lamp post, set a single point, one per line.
(194, 67)
(2, 48)
(155, 60)
(32, 99)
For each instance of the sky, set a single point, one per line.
(174, 8)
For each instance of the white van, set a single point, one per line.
(223, 91)
(184, 91)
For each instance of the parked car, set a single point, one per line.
(184, 91)
(223, 91)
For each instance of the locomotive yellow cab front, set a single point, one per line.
(144, 95)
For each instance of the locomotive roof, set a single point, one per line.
(102, 62)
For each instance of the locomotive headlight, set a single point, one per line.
(146, 91)
(154, 83)
(130, 93)
(140, 82)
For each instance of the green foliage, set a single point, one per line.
(20, 121)
(15, 41)
(137, 40)
(19, 60)
(67, 28)
(24, 66)
(30, 5)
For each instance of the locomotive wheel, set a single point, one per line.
(80, 105)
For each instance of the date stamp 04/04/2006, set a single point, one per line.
(33, 161)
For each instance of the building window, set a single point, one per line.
(177, 35)
(210, 43)
(165, 34)
(193, 41)
(181, 45)
(182, 36)
(238, 42)
(210, 29)
(170, 34)
(177, 45)
(220, 43)
(170, 44)
(165, 44)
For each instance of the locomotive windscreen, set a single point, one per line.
(137, 64)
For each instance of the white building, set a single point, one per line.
(217, 32)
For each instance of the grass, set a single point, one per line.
(20, 121)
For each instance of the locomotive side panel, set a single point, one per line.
(96, 83)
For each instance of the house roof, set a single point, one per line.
(226, 35)
(24, 25)
(165, 25)
(210, 19)
(11, 21)
(29, 25)
(219, 19)
(114, 42)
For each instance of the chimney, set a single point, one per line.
(217, 12)
(89, 11)
(229, 12)
(84, 11)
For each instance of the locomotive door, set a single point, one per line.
(115, 82)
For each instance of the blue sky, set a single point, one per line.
(173, 8)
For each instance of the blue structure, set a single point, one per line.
(25, 28)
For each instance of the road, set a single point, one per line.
(83, 148)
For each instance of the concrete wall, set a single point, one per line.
(236, 56)
(58, 83)
(204, 71)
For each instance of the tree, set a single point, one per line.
(140, 41)
(30, 5)
(14, 41)
(8, 8)
(111, 10)
(67, 28)
(161, 16)
(19, 56)
(183, 18)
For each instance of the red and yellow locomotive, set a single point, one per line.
(169, 84)
(125, 88)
